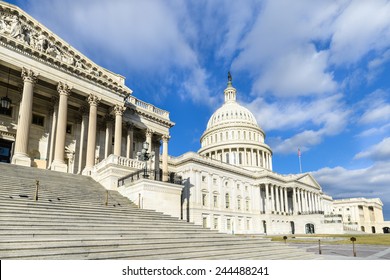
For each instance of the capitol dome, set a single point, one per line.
(233, 135)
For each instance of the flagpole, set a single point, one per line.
(300, 162)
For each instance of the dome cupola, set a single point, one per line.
(233, 135)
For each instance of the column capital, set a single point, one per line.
(165, 138)
(119, 109)
(149, 133)
(29, 75)
(63, 88)
(93, 100)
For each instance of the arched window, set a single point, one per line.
(373, 230)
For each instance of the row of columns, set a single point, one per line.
(250, 157)
(303, 201)
(58, 131)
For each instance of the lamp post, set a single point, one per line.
(145, 156)
(5, 101)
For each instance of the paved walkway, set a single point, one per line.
(345, 252)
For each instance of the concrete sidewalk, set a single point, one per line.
(345, 252)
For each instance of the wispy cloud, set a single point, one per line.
(378, 152)
(368, 182)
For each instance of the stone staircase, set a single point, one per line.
(71, 220)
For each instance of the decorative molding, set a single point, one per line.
(93, 100)
(165, 138)
(63, 88)
(119, 109)
(29, 75)
(149, 133)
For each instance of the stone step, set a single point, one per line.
(130, 251)
(70, 221)
(134, 240)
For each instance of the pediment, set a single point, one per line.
(308, 180)
(20, 32)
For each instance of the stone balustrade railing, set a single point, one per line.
(149, 107)
(123, 161)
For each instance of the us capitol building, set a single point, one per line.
(63, 112)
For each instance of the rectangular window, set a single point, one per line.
(248, 223)
(205, 222)
(204, 199)
(227, 201)
(38, 120)
(228, 224)
(6, 112)
(215, 201)
(247, 205)
(215, 223)
(238, 204)
(69, 128)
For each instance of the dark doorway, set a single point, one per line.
(373, 230)
(265, 227)
(362, 228)
(386, 230)
(292, 225)
(309, 229)
(5, 150)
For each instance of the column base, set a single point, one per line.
(21, 159)
(59, 166)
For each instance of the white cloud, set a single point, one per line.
(148, 37)
(375, 131)
(368, 182)
(378, 152)
(363, 26)
(327, 116)
(280, 52)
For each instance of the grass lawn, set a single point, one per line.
(370, 239)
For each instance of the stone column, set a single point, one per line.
(165, 139)
(118, 109)
(299, 200)
(272, 198)
(84, 120)
(93, 101)
(149, 134)
(286, 210)
(277, 198)
(270, 162)
(267, 209)
(294, 201)
(130, 136)
(21, 156)
(108, 142)
(59, 151)
(54, 101)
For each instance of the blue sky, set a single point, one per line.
(314, 73)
